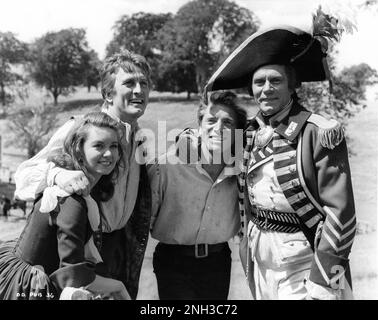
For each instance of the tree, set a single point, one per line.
(91, 70)
(60, 60)
(346, 96)
(342, 97)
(177, 76)
(12, 51)
(351, 83)
(204, 33)
(31, 119)
(139, 33)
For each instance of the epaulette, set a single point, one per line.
(330, 133)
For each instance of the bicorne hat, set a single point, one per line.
(276, 45)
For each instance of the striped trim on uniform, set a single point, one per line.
(339, 235)
(241, 180)
(285, 165)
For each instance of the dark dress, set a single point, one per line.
(49, 254)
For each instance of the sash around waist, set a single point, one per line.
(267, 219)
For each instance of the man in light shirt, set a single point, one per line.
(195, 206)
(125, 86)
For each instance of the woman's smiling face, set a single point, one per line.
(100, 151)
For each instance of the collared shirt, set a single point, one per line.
(35, 174)
(188, 207)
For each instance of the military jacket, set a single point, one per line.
(311, 163)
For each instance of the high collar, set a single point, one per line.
(280, 115)
(287, 123)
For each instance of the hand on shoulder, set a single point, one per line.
(73, 181)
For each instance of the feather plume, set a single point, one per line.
(327, 26)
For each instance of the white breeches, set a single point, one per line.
(281, 263)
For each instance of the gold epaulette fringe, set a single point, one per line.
(330, 133)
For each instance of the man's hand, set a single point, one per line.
(73, 181)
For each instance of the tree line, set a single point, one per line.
(183, 49)
(58, 61)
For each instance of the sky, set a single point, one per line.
(31, 19)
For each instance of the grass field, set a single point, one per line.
(180, 113)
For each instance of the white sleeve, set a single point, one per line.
(34, 175)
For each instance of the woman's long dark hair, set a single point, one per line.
(71, 157)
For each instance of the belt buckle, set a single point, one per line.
(199, 248)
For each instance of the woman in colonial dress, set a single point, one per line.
(60, 244)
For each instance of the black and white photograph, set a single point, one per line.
(188, 150)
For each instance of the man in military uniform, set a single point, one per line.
(295, 191)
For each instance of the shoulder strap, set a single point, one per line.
(330, 133)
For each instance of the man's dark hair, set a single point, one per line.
(224, 98)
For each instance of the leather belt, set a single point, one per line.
(201, 250)
(267, 219)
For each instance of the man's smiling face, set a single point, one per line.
(270, 86)
(217, 128)
(130, 95)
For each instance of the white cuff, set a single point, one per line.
(70, 293)
(318, 292)
(51, 174)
